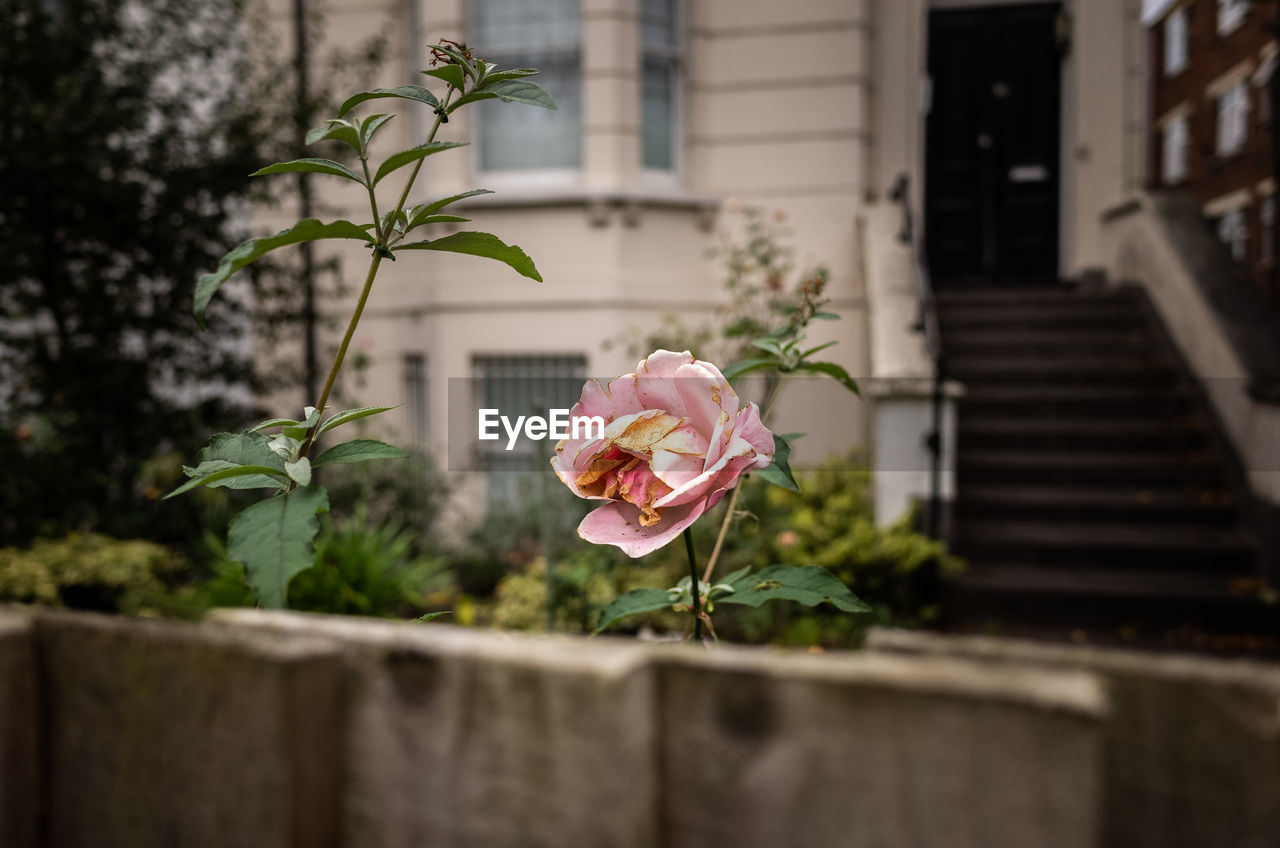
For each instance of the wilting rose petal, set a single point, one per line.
(675, 441)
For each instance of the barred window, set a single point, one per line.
(525, 385)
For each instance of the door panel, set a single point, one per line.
(991, 192)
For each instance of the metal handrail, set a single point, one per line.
(927, 324)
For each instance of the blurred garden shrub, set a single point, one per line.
(829, 523)
(92, 572)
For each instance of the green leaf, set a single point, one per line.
(439, 219)
(273, 539)
(424, 210)
(358, 450)
(452, 74)
(299, 471)
(831, 370)
(404, 92)
(814, 350)
(349, 415)
(632, 603)
(370, 126)
(338, 130)
(508, 91)
(769, 345)
(310, 166)
(826, 316)
(398, 160)
(220, 471)
(779, 471)
(309, 229)
(242, 449)
(274, 422)
(432, 616)
(809, 585)
(480, 244)
(510, 73)
(746, 366)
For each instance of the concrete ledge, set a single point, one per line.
(768, 749)
(20, 776)
(163, 734)
(1192, 745)
(466, 737)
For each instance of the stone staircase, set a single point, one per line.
(1094, 495)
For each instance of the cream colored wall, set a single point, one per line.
(774, 114)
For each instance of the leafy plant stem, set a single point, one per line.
(342, 348)
(431, 136)
(373, 273)
(693, 580)
(380, 237)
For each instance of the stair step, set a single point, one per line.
(1078, 580)
(1136, 505)
(1022, 297)
(1163, 547)
(1091, 467)
(1068, 369)
(1089, 316)
(1015, 342)
(1158, 434)
(1068, 401)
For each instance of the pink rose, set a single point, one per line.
(674, 442)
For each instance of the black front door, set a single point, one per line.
(991, 181)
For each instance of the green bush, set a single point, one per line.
(361, 569)
(93, 572)
(829, 523)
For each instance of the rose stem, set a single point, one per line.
(693, 585)
(737, 490)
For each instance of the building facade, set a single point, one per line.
(1211, 68)
(669, 108)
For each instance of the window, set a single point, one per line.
(1233, 119)
(1267, 230)
(1232, 233)
(1231, 14)
(545, 35)
(414, 369)
(1173, 150)
(1175, 42)
(659, 69)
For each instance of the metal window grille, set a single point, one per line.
(525, 385)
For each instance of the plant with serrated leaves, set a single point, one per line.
(274, 538)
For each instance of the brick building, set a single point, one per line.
(1211, 63)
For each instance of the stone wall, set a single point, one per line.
(273, 729)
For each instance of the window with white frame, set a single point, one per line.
(546, 35)
(659, 69)
(1173, 150)
(1231, 14)
(1232, 232)
(1175, 41)
(1233, 118)
(1267, 230)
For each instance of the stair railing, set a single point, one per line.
(927, 324)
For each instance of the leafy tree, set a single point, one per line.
(127, 134)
